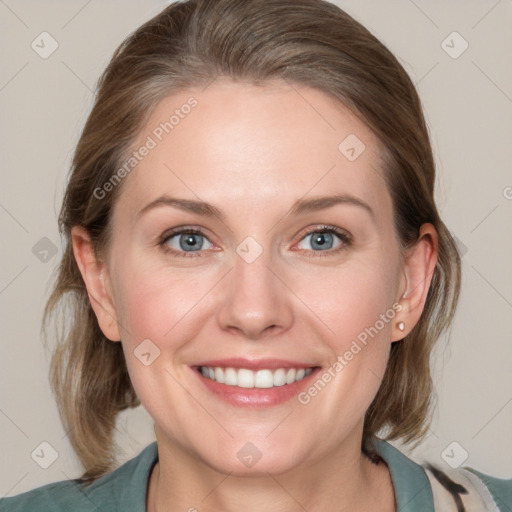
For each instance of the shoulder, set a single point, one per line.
(122, 489)
(500, 489)
(58, 496)
(433, 487)
(467, 489)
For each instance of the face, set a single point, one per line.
(227, 259)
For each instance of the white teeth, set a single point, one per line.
(279, 377)
(264, 379)
(219, 375)
(230, 376)
(245, 378)
(290, 375)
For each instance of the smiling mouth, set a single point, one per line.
(246, 378)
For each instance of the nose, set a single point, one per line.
(256, 303)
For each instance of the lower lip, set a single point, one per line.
(256, 397)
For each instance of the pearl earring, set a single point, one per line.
(401, 326)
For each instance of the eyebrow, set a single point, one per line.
(320, 203)
(301, 206)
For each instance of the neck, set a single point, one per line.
(342, 481)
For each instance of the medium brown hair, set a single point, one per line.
(190, 43)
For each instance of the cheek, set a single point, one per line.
(156, 304)
(352, 300)
(155, 301)
(355, 305)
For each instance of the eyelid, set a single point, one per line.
(343, 235)
(326, 228)
(180, 230)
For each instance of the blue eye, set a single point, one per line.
(320, 240)
(323, 239)
(189, 242)
(185, 241)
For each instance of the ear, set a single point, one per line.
(97, 280)
(418, 268)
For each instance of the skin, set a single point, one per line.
(252, 152)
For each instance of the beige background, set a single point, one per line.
(468, 104)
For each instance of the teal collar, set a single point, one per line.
(410, 482)
(412, 486)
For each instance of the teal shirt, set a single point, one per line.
(124, 489)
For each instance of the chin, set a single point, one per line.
(253, 463)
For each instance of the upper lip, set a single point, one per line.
(255, 364)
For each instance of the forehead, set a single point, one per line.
(245, 145)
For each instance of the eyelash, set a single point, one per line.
(345, 239)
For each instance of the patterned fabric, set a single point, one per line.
(460, 491)
(429, 488)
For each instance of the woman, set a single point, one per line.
(255, 255)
